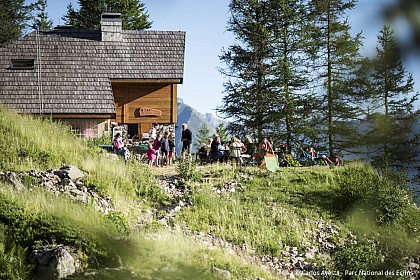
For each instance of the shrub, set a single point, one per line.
(355, 256)
(11, 259)
(104, 139)
(386, 193)
(120, 222)
(187, 170)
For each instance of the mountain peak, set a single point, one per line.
(195, 120)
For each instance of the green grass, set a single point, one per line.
(34, 217)
(271, 211)
(266, 213)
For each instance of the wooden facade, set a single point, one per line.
(131, 98)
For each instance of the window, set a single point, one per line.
(23, 64)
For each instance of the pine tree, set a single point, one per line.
(248, 100)
(294, 101)
(337, 56)
(202, 136)
(391, 126)
(134, 14)
(222, 132)
(14, 15)
(41, 19)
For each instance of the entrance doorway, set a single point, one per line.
(133, 129)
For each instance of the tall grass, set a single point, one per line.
(261, 213)
(36, 217)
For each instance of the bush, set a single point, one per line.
(104, 139)
(120, 222)
(187, 170)
(386, 193)
(355, 256)
(12, 257)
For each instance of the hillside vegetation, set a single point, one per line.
(205, 222)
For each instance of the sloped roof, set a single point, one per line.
(76, 68)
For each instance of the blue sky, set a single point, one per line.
(205, 24)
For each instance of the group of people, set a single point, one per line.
(218, 151)
(161, 150)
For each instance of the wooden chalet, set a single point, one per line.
(92, 78)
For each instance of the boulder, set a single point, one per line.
(71, 172)
(219, 273)
(56, 263)
(12, 178)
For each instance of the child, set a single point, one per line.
(151, 155)
(157, 146)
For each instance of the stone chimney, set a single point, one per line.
(111, 27)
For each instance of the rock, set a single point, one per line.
(414, 266)
(55, 263)
(12, 178)
(72, 172)
(220, 273)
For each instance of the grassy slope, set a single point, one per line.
(35, 217)
(266, 212)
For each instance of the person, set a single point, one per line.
(186, 138)
(153, 132)
(118, 144)
(151, 155)
(157, 146)
(164, 144)
(335, 160)
(171, 152)
(217, 150)
(312, 153)
(264, 148)
(236, 147)
(326, 160)
(207, 146)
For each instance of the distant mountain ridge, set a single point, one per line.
(194, 120)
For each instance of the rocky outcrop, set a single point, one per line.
(64, 181)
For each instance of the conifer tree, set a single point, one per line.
(248, 100)
(291, 62)
(390, 133)
(134, 14)
(222, 132)
(203, 136)
(14, 15)
(337, 58)
(41, 19)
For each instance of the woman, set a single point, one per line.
(118, 144)
(264, 148)
(235, 150)
(217, 150)
(171, 153)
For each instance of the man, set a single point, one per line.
(186, 139)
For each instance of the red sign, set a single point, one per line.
(149, 112)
